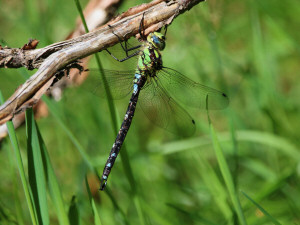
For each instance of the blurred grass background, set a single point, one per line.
(249, 49)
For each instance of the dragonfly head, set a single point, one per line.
(157, 40)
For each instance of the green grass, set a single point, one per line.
(242, 168)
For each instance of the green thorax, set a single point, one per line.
(149, 60)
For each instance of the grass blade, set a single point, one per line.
(92, 202)
(275, 141)
(53, 185)
(262, 210)
(226, 174)
(36, 169)
(155, 215)
(116, 206)
(214, 185)
(139, 209)
(55, 113)
(73, 214)
(14, 142)
(191, 215)
(19, 214)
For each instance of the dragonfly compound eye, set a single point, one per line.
(158, 41)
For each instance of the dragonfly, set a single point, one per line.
(156, 87)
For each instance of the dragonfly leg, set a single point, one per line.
(124, 59)
(126, 49)
(142, 29)
(166, 29)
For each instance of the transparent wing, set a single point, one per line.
(164, 111)
(119, 82)
(191, 93)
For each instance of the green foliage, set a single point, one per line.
(249, 49)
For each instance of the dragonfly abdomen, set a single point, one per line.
(138, 84)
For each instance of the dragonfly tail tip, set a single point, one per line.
(103, 184)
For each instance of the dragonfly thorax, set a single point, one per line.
(150, 61)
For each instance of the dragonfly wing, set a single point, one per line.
(164, 111)
(119, 82)
(191, 93)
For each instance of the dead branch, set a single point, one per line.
(55, 57)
